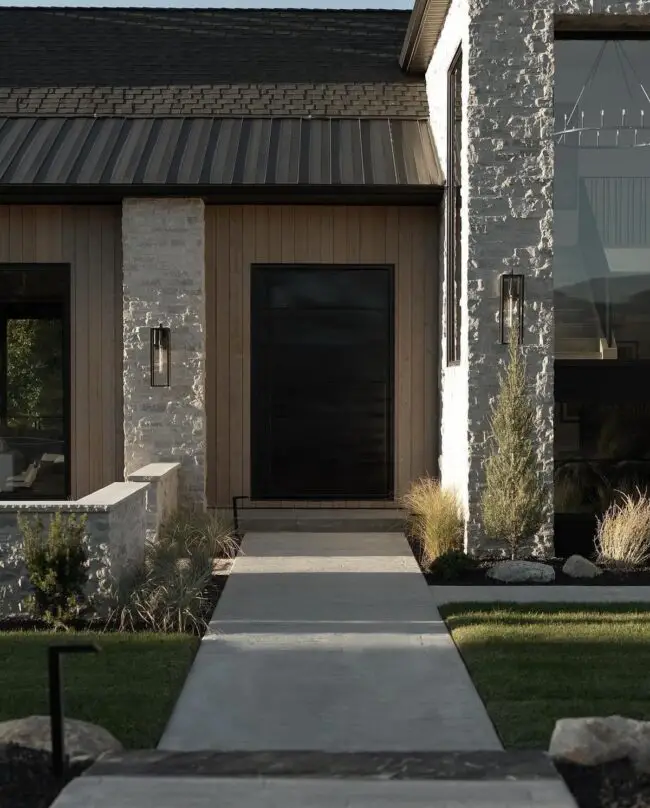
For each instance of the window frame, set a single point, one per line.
(453, 269)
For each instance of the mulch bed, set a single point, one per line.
(610, 577)
(611, 785)
(26, 779)
(476, 576)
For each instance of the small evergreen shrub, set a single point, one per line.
(452, 565)
(435, 518)
(57, 564)
(513, 498)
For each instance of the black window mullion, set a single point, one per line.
(454, 264)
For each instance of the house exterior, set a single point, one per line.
(271, 246)
(550, 170)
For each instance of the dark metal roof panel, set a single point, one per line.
(217, 152)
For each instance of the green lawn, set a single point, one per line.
(130, 688)
(535, 664)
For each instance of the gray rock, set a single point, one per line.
(521, 571)
(83, 741)
(593, 741)
(578, 566)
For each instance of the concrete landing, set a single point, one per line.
(328, 642)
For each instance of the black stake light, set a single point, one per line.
(160, 341)
(57, 717)
(512, 307)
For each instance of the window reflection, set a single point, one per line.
(602, 186)
(601, 275)
(33, 416)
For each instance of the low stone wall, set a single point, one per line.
(115, 529)
(162, 493)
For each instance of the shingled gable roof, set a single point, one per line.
(146, 62)
(134, 100)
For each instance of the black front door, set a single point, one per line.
(322, 382)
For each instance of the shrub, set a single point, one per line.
(623, 533)
(168, 593)
(513, 498)
(451, 565)
(435, 518)
(57, 564)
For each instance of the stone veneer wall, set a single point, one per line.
(162, 493)
(508, 166)
(454, 391)
(115, 529)
(163, 245)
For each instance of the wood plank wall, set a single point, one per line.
(88, 238)
(238, 236)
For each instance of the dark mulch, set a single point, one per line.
(23, 622)
(612, 785)
(476, 574)
(611, 577)
(26, 779)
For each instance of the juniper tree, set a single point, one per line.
(514, 496)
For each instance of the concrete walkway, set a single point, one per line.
(548, 593)
(328, 642)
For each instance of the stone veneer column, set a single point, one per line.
(508, 164)
(454, 460)
(163, 282)
(509, 221)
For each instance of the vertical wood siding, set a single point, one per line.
(238, 236)
(88, 238)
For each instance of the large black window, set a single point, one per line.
(454, 255)
(34, 372)
(601, 276)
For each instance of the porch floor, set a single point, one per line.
(328, 642)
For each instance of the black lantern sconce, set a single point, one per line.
(160, 341)
(512, 307)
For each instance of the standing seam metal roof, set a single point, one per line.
(217, 152)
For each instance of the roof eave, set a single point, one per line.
(425, 25)
(233, 194)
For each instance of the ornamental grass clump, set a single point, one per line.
(57, 565)
(435, 519)
(514, 497)
(623, 532)
(169, 592)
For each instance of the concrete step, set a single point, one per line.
(322, 520)
(319, 780)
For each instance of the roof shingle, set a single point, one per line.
(168, 62)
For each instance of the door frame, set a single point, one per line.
(390, 420)
(42, 304)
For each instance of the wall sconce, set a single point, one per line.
(512, 307)
(160, 343)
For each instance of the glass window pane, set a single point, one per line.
(602, 183)
(33, 453)
(601, 273)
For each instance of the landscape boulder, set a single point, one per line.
(83, 741)
(577, 566)
(594, 741)
(521, 572)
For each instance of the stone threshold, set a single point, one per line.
(522, 765)
(539, 593)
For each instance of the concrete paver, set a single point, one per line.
(195, 792)
(328, 642)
